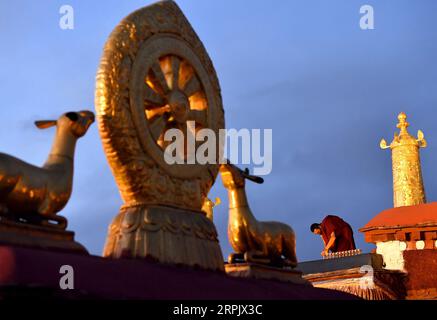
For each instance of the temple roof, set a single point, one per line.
(422, 215)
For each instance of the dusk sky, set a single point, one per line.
(328, 90)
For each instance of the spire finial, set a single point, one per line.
(403, 124)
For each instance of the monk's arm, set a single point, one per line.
(330, 242)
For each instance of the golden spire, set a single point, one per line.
(408, 187)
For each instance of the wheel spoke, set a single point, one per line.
(199, 116)
(153, 99)
(157, 126)
(175, 64)
(158, 111)
(192, 86)
(159, 75)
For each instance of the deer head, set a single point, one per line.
(233, 177)
(76, 122)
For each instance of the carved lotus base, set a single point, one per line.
(258, 271)
(38, 237)
(168, 235)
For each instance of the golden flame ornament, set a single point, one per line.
(408, 187)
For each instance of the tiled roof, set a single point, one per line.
(423, 215)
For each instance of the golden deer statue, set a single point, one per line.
(34, 195)
(272, 243)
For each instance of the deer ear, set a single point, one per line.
(44, 124)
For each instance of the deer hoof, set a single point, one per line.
(236, 258)
(256, 257)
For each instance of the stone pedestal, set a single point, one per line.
(165, 234)
(257, 271)
(38, 237)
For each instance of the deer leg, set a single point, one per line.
(60, 222)
(235, 257)
(289, 252)
(256, 256)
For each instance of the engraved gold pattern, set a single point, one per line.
(408, 187)
(136, 101)
(156, 75)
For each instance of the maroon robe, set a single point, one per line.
(344, 236)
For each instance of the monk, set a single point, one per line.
(337, 234)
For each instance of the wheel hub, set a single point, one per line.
(179, 106)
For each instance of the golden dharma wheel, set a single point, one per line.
(155, 75)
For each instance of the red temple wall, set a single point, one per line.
(421, 282)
